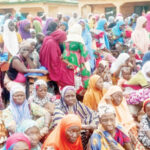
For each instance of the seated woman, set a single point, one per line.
(114, 97)
(19, 110)
(31, 129)
(94, 92)
(41, 96)
(144, 131)
(66, 135)
(19, 65)
(109, 135)
(17, 141)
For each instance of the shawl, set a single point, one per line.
(57, 138)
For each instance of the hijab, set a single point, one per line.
(10, 39)
(46, 25)
(123, 114)
(57, 138)
(51, 27)
(14, 139)
(145, 70)
(119, 61)
(37, 26)
(19, 112)
(140, 36)
(93, 95)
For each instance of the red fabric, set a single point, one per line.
(17, 137)
(128, 34)
(38, 19)
(50, 57)
(145, 103)
(135, 87)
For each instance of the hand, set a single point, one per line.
(70, 66)
(45, 72)
(44, 131)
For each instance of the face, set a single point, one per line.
(21, 146)
(11, 26)
(148, 74)
(108, 121)
(27, 28)
(32, 47)
(19, 97)
(41, 91)
(117, 98)
(59, 16)
(99, 84)
(148, 109)
(72, 134)
(101, 68)
(144, 25)
(34, 136)
(33, 34)
(63, 27)
(75, 15)
(70, 97)
(83, 25)
(126, 75)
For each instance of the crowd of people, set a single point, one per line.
(73, 83)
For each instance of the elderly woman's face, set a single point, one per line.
(108, 121)
(19, 97)
(21, 146)
(72, 133)
(70, 97)
(41, 91)
(117, 98)
(101, 68)
(99, 84)
(34, 136)
(11, 26)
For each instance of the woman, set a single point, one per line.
(24, 29)
(11, 38)
(117, 32)
(75, 54)
(19, 110)
(52, 26)
(41, 96)
(140, 36)
(94, 92)
(66, 135)
(31, 129)
(50, 57)
(86, 35)
(37, 26)
(19, 65)
(101, 26)
(45, 27)
(109, 135)
(17, 141)
(114, 97)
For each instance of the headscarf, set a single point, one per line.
(37, 26)
(146, 58)
(36, 99)
(38, 19)
(119, 61)
(93, 95)
(26, 124)
(148, 22)
(75, 34)
(105, 108)
(14, 139)
(147, 101)
(65, 89)
(51, 27)
(100, 26)
(65, 24)
(123, 114)
(10, 39)
(57, 138)
(24, 34)
(140, 36)
(145, 70)
(46, 25)
(19, 112)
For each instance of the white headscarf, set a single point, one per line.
(10, 39)
(145, 70)
(75, 34)
(119, 61)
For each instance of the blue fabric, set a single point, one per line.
(36, 74)
(117, 32)
(86, 35)
(100, 26)
(10, 148)
(146, 58)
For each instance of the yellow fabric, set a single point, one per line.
(138, 79)
(123, 114)
(1, 39)
(19, 37)
(93, 96)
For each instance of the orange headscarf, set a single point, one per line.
(57, 138)
(93, 95)
(123, 114)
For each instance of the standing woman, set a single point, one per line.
(37, 26)
(24, 29)
(75, 54)
(140, 36)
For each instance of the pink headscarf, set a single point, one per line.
(148, 22)
(140, 36)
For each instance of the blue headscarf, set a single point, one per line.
(65, 24)
(86, 35)
(100, 26)
(117, 32)
(146, 58)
